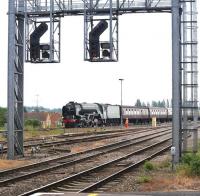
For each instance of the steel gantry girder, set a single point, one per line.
(22, 13)
(77, 7)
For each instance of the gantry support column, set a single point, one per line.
(15, 78)
(189, 62)
(176, 80)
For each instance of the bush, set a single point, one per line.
(184, 170)
(143, 179)
(3, 113)
(187, 158)
(164, 164)
(191, 163)
(33, 123)
(148, 166)
(195, 166)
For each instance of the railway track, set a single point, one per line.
(81, 137)
(26, 172)
(78, 134)
(92, 179)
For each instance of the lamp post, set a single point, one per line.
(121, 102)
(37, 101)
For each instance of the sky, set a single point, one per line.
(144, 64)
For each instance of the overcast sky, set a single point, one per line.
(144, 63)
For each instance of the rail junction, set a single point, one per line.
(136, 147)
(66, 139)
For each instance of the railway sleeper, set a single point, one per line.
(59, 172)
(78, 183)
(123, 164)
(55, 191)
(72, 190)
(61, 188)
(86, 179)
(67, 187)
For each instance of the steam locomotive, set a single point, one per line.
(95, 114)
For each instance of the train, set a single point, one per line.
(95, 114)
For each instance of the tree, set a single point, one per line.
(154, 104)
(33, 123)
(25, 110)
(3, 113)
(161, 104)
(164, 103)
(143, 104)
(138, 103)
(167, 104)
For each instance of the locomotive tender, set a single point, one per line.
(95, 114)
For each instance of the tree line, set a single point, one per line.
(34, 123)
(163, 103)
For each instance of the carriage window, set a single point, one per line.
(131, 112)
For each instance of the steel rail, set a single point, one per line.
(81, 174)
(71, 162)
(29, 166)
(72, 141)
(86, 138)
(99, 136)
(108, 179)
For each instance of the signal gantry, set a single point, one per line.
(34, 36)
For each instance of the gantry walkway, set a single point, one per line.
(77, 7)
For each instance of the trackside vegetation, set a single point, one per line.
(3, 112)
(32, 123)
(143, 179)
(190, 164)
(189, 167)
(148, 166)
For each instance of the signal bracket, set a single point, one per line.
(43, 39)
(100, 33)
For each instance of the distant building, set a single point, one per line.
(47, 120)
(43, 117)
(56, 120)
